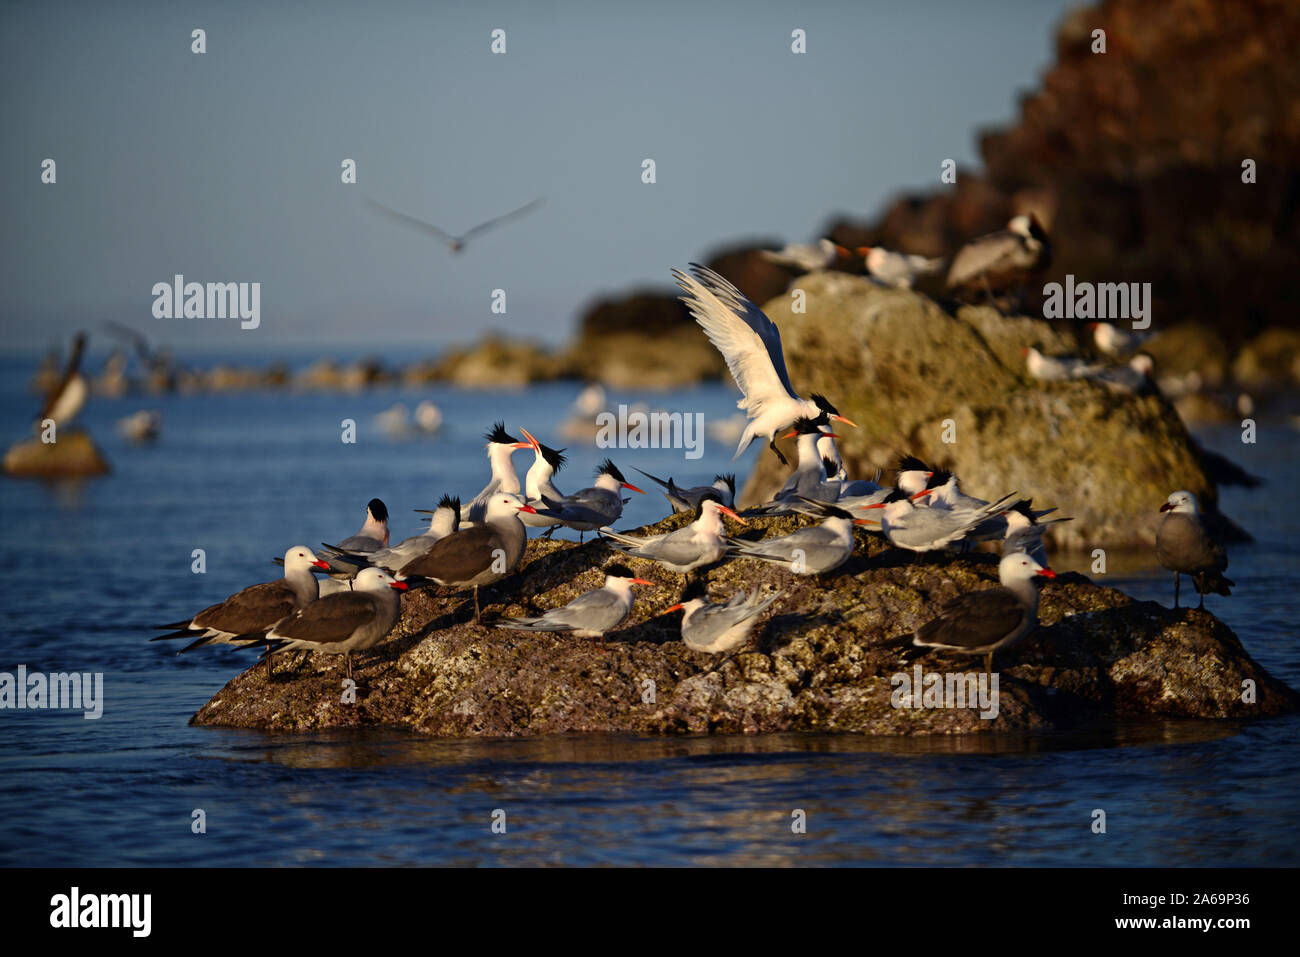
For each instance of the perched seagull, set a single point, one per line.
(814, 550)
(900, 270)
(501, 445)
(454, 243)
(929, 529)
(810, 477)
(445, 520)
(718, 628)
(982, 622)
(596, 507)
(1003, 260)
(1024, 531)
(1114, 341)
(1055, 368)
(751, 345)
(478, 554)
(537, 484)
(1186, 547)
(66, 398)
(700, 543)
(591, 614)
(688, 499)
(255, 609)
(804, 258)
(343, 623)
(1135, 376)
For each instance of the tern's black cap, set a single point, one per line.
(378, 509)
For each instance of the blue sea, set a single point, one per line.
(91, 565)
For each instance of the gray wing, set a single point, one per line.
(483, 227)
(411, 221)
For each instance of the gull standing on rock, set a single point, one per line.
(1186, 547)
(343, 623)
(1003, 260)
(809, 551)
(599, 506)
(718, 628)
(751, 345)
(930, 529)
(700, 543)
(591, 614)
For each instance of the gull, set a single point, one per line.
(700, 543)
(255, 609)
(688, 499)
(591, 614)
(590, 508)
(343, 623)
(1185, 546)
(1002, 260)
(455, 243)
(983, 622)
(751, 345)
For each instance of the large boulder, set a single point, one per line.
(74, 455)
(914, 377)
(826, 659)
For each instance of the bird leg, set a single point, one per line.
(772, 445)
(268, 662)
(550, 531)
(476, 609)
(988, 664)
(347, 657)
(1175, 589)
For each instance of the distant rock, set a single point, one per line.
(903, 369)
(74, 455)
(821, 666)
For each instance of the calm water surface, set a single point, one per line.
(89, 565)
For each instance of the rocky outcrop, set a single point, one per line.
(954, 391)
(823, 661)
(74, 455)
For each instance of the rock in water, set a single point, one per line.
(954, 390)
(824, 659)
(74, 455)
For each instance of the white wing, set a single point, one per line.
(747, 339)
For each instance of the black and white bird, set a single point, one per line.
(1113, 341)
(814, 550)
(1004, 260)
(717, 628)
(688, 499)
(371, 537)
(751, 345)
(345, 622)
(693, 546)
(810, 478)
(538, 484)
(1186, 546)
(67, 396)
(599, 506)
(804, 258)
(1024, 530)
(444, 520)
(899, 270)
(501, 445)
(454, 243)
(987, 621)
(929, 529)
(591, 614)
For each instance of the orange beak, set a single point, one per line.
(726, 511)
(641, 581)
(677, 607)
(924, 491)
(321, 564)
(528, 508)
(400, 586)
(1047, 573)
(532, 442)
(632, 487)
(864, 251)
(840, 418)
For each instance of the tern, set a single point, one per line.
(255, 609)
(343, 623)
(1006, 259)
(700, 543)
(372, 537)
(66, 398)
(537, 483)
(1185, 546)
(928, 529)
(913, 475)
(1114, 341)
(718, 628)
(445, 520)
(983, 622)
(1056, 368)
(478, 554)
(591, 614)
(454, 243)
(688, 499)
(596, 507)
(900, 270)
(1024, 531)
(803, 257)
(810, 477)
(814, 550)
(501, 445)
(751, 345)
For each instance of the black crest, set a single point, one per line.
(938, 478)
(824, 404)
(618, 570)
(910, 463)
(695, 588)
(730, 479)
(378, 509)
(554, 457)
(499, 435)
(607, 467)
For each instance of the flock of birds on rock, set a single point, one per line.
(357, 601)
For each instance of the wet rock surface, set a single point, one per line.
(819, 661)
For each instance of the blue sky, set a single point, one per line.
(226, 166)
